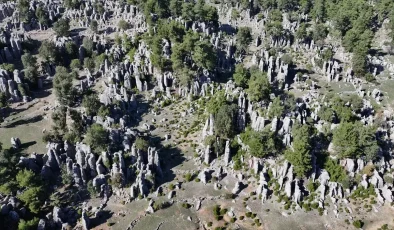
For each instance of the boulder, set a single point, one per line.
(237, 188)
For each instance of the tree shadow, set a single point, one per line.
(24, 121)
(228, 29)
(45, 91)
(376, 52)
(170, 157)
(101, 218)
(77, 31)
(27, 145)
(143, 108)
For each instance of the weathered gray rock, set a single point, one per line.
(171, 194)
(364, 181)
(297, 193)
(5, 209)
(227, 157)
(288, 190)
(207, 155)
(58, 216)
(52, 161)
(85, 220)
(41, 224)
(387, 194)
(98, 181)
(15, 142)
(14, 216)
(150, 208)
(237, 187)
(91, 162)
(376, 180)
(203, 176)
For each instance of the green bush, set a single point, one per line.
(306, 207)
(223, 211)
(229, 196)
(163, 205)
(188, 177)
(312, 186)
(358, 223)
(216, 210)
(29, 224)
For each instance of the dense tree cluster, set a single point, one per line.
(258, 85)
(189, 55)
(29, 187)
(262, 144)
(63, 86)
(188, 10)
(300, 155)
(353, 140)
(97, 137)
(225, 120)
(352, 21)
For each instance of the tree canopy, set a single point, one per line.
(97, 138)
(262, 143)
(259, 87)
(225, 120)
(63, 86)
(353, 140)
(62, 27)
(300, 155)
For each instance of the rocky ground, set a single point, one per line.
(163, 164)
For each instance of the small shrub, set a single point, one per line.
(188, 177)
(369, 77)
(358, 223)
(388, 179)
(223, 211)
(369, 169)
(315, 205)
(306, 207)
(216, 210)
